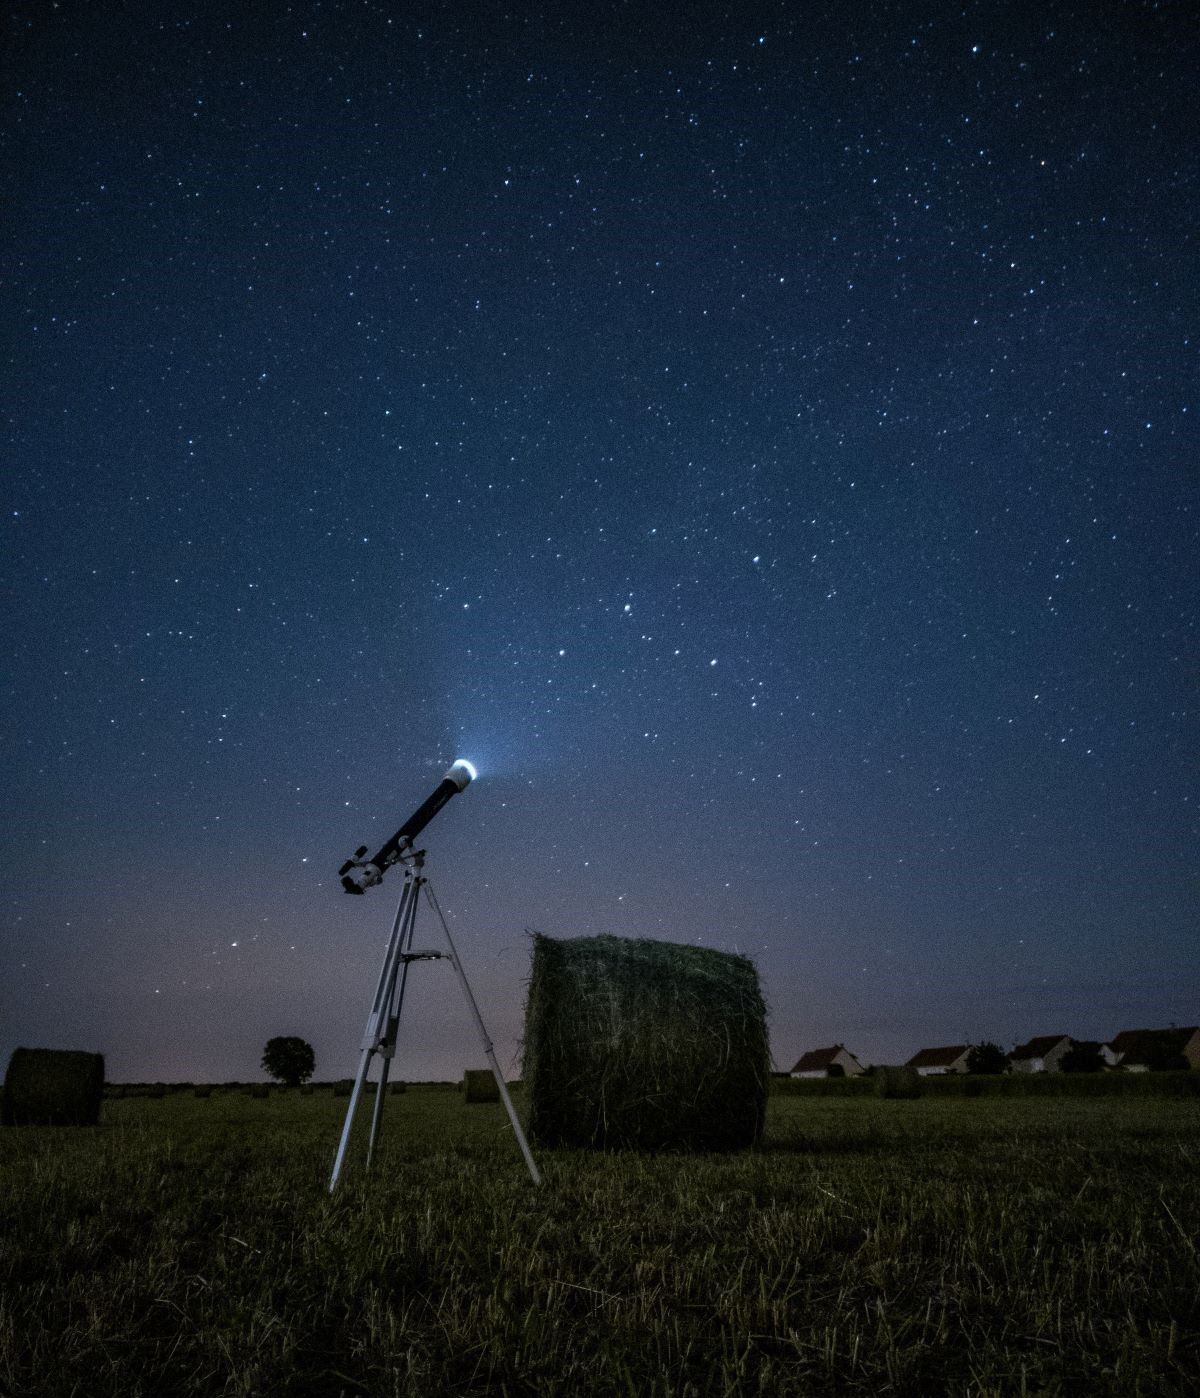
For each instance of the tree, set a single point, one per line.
(1082, 1058)
(289, 1060)
(987, 1057)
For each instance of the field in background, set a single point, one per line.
(984, 1246)
(1116, 1084)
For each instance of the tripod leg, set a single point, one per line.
(485, 1041)
(363, 1065)
(377, 1113)
(395, 1001)
(380, 1008)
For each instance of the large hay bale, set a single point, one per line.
(898, 1082)
(51, 1087)
(632, 1043)
(479, 1085)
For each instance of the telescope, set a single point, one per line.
(383, 1022)
(359, 874)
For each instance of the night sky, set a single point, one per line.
(764, 444)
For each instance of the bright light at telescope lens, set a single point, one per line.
(462, 773)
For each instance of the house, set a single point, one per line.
(1041, 1055)
(1103, 1051)
(1140, 1050)
(835, 1062)
(931, 1062)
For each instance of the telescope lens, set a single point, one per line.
(462, 774)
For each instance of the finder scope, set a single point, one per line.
(359, 874)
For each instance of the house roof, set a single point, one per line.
(1039, 1047)
(819, 1058)
(1135, 1045)
(937, 1057)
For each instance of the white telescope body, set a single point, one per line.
(358, 875)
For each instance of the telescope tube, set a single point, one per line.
(357, 878)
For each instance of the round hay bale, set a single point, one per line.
(479, 1085)
(306, 1089)
(902, 1082)
(202, 1089)
(342, 1087)
(397, 1088)
(51, 1087)
(633, 1043)
(259, 1091)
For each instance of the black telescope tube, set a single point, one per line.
(357, 878)
(416, 822)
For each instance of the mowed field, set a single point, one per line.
(981, 1246)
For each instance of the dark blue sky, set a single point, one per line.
(764, 444)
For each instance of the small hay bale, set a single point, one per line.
(903, 1082)
(51, 1087)
(632, 1043)
(479, 1085)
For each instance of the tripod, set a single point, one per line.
(379, 1037)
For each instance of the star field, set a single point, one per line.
(765, 445)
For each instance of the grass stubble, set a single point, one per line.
(973, 1247)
